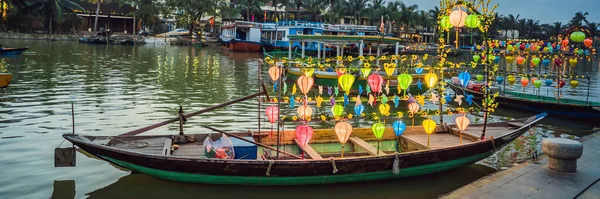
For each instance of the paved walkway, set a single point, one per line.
(535, 180)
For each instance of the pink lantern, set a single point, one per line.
(272, 113)
(458, 18)
(303, 135)
(375, 81)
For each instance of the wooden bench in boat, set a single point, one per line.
(310, 151)
(365, 146)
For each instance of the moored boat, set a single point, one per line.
(153, 155)
(241, 36)
(567, 108)
(5, 79)
(12, 51)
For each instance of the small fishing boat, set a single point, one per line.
(5, 79)
(568, 108)
(12, 51)
(420, 154)
(241, 36)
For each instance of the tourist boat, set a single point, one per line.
(5, 79)
(276, 35)
(12, 51)
(567, 108)
(153, 155)
(241, 36)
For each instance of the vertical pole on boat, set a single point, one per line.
(360, 51)
(303, 48)
(587, 99)
(378, 54)
(337, 54)
(73, 116)
(318, 50)
(324, 50)
(181, 120)
(279, 85)
(396, 46)
(259, 87)
(290, 50)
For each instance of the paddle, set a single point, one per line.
(250, 141)
(144, 129)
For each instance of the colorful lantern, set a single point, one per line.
(365, 72)
(413, 107)
(476, 58)
(305, 83)
(535, 61)
(378, 129)
(499, 79)
(574, 83)
(479, 77)
(272, 113)
(337, 110)
(458, 18)
(524, 81)
(588, 42)
(512, 79)
(577, 36)
(404, 81)
(430, 79)
(565, 42)
(305, 111)
(445, 22)
(546, 62)
(561, 83)
(462, 122)
(303, 135)
(399, 127)
(573, 62)
(375, 81)
(464, 78)
(558, 62)
(548, 82)
(520, 60)
(429, 126)
(275, 73)
(343, 130)
(358, 109)
(537, 83)
(384, 109)
(472, 21)
(346, 82)
(509, 59)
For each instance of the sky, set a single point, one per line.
(547, 11)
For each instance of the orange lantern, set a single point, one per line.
(565, 43)
(520, 60)
(413, 108)
(462, 122)
(275, 73)
(343, 130)
(305, 83)
(305, 112)
(458, 18)
(524, 82)
(587, 42)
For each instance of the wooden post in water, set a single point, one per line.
(259, 83)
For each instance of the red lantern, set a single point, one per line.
(520, 60)
(558, 62)
(272, 113)
(561, 83)
(587, 42)
(565, 43)
(303, 135)
(375, 81)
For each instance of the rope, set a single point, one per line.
(271, 162)
(396, 166)
(335, 170)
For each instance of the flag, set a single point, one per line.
(382, 26)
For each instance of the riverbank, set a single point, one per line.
(35, 36)
(533, 179)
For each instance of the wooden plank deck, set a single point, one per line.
(364, 146)
(155, 145)
(195, 149)
(438, 140)
(310, 151)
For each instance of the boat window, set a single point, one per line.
(299, 32)
(280, 35)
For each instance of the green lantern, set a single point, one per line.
(537, 83)
(577, 36)
(378, 129)
(479, 77)
(346, 82)
(365, 72)
(445, 22)
(337, 110)
(476, 58)
(536, 61)
(472, 21)
(404, 81)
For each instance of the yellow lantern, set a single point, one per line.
(430, 79)
(462, 122)
(304, 112)
(343, 130)
(346, 82)
(429, 126)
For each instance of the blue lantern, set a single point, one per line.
(399, 127)
(496, 59)
(358, 109)
(548, 82)
(499, 79)
(546, 62)
(464, 78)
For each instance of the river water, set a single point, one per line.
(120, 88)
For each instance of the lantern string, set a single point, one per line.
(335, 170)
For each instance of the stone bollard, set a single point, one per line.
(562, 153)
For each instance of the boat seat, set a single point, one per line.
(364, 146)
(310, 151)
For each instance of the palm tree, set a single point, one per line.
(336, 10)
(578, 18)
(434, 13)
(251, 6)
(555, 29)
(521, 26)
(407, 13)
(313, 7)
(532, 26)
(593, 28)
(376, 10)
(511, 23)
(357, 7)
(53, 10)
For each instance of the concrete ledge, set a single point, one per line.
(33, 36)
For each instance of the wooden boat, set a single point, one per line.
(567, 108)
(363, 162)
(12, 51)
(241, 36)
(5, 79)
